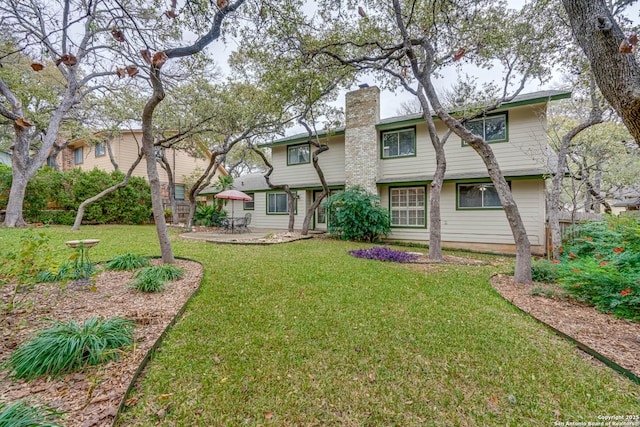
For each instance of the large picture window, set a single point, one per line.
(408, 207)
(478, 196)
(298, 154)
(78, 156)
(492, 128)
(398, 143)
(277, 204)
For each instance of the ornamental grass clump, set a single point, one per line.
(68, 270)
(600, 266)
(381, 253)
(128, 262)
(154, 279)
(23, 414)
(67, 347)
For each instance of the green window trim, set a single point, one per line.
(249, 205)
(404, 208)
(501, 135)
(277, 204)
(401, 141)
(485, 199)
(299, 153)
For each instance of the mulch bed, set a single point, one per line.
(616, 339)
(91, 397)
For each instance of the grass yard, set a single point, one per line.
(305, 334)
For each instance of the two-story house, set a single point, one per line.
(124, 148)
(394, 158)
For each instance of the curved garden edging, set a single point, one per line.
(582, 346)
(154, 347)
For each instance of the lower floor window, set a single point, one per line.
(179, 192)
(478, 196)
(408, 206)
(277, 203)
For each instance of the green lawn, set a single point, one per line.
(304, 334)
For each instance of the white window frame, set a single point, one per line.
(390, 145)
(408, 206)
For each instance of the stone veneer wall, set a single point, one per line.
(361, 138)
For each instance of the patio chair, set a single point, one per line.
(225, 224)
(244, 224)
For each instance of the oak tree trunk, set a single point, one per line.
(148, 148)
(617, 74)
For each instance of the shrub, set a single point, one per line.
(62, 192)
(128, 261)
(34, 254)
(209, 216)
(69, 346)
(355, 214)
(601, 266)
(23, 414)
(154, 279)
(543, 270)
(384, 254)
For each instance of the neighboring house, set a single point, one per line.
(125, 148)
(394, 158)
(5, 158)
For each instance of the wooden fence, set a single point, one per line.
(182, 208)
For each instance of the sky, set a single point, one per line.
(391, 101)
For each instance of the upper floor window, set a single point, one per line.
(78, 156)
(398, 143)
(478, 195)
(298, 154)
(492, 128)
(99, 149)
(408, 206)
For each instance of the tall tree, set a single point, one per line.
(65, 37)
(610, 51)
(418, 39)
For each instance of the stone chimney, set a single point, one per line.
(361, 139)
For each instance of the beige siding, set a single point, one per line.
(259, 217)
(331, 162)
(526, 149)
(483, 226)
(125, 150)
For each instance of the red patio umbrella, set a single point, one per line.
(232, 195)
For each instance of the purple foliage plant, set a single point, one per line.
(382, 253)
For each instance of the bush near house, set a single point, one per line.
(53, 197)
(601, 266)
(355, 214)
